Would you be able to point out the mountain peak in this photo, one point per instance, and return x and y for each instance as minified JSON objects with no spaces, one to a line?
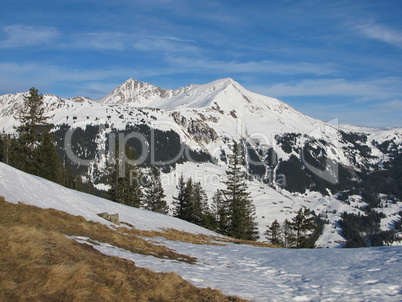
{"x":133,"y":92}
{"x":226,"y":93}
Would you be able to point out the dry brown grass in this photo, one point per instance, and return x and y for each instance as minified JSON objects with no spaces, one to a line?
{"x":253,"y":243}
{"x":172,"y":234}
{"x":39,"y":263}
{"x":58,"y":221}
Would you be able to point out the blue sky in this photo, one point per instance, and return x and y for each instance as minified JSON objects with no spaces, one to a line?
{"x":328,"y":59}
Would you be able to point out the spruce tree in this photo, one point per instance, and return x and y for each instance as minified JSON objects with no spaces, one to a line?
{"x":154,"y":196}
{"x":242,"y":223}
{"x":32,"y":124}
{"x":274,"y":233}
{"x":133,"y":192}
{"x":181,"y":200}
{"x":220,"y":210}
{"x":47,"y":163}
{"x":200,"y":207}
{"x":34,"y":151}
{"x":289,"y":238}
{"x":4,"y":147}
{"x":303,"y":225}
{"x":191,"y":204}
{"x":124,"y":179}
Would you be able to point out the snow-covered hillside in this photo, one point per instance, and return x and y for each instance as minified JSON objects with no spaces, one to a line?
{"x":258,"y":274}
{"x":17,"y":186}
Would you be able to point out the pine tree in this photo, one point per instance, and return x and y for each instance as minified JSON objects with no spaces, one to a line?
{"x":124,"y":179}
{"x":200,"y":207}
{"x":32,"y":125}
{"x":242,"y":223}
{"x":154,"y":194}
{"x":180,"y":201}
{"x":47,"y":163}
{"x":5,"y":145}
{"x":34,"y":151}
{"x":133,"y":193}
{"x":274,"y":233}
{"x":303,"y":225}
{"x":220,"y":209}
{"x":188,"y":208}
{"x":2,"y":147}
{"x":289,"y":240}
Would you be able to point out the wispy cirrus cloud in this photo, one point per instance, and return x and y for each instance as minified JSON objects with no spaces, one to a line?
{"x":382,"y":33}
{"x":94,"y":83}
{"x":263,"y":66}
{"x":364,"y":90}
{"x":23,"y":36}
{"x":394,"y":105}
{"x":120,"y":41}
{"x":19,"y":77}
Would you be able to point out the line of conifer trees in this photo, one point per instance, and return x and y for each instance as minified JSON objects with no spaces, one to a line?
{"x":300,"y":232}
{"x":32,"y":149}
{"x":232,"y":212}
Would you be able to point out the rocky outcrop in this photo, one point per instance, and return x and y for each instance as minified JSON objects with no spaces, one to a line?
{"x":113,"y":218}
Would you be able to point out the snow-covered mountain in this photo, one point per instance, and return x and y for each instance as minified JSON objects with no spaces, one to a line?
{"x":294,"y":160}
{"x":254,"y":273}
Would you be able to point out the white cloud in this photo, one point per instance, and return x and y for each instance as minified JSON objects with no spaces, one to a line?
{"x":264,"y":66}
{"x":120,"y":41}
{"x":382,"y":33}
{"x":48,"y":78}
{"x":378,"y":89}
{"x":164,"y":44}
{"x":19,"y":77}
{"x":393,"y":105}
{"x":23,"y":36}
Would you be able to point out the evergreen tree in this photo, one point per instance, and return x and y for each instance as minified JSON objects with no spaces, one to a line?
{"x":289,"y":239}
{"x":5,"y":145}
{"x":179,"y":200}
{"x":2,"y":147}
{"x":220,"y":210}
{"x":7,"y":149}
{"x":242,"y":223}
{"x":32,"y":125}
{"x":191,"y":204}
{"x":303,"y":225}
{"x":188,"y":206}
{"x":154,"y":194}
{"x":47,"y":163}
{"x":200,"y":207}
{"x":133,"y":192}
{"x":274,"y":233}
{"x":124,"y":179}
{"x":34,"y":151}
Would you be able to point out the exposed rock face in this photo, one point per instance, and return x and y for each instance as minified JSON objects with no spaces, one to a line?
{"x":113,"y":218}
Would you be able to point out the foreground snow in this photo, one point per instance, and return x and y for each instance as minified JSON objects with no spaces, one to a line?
{"x":259,"y":274}
{"x":264,"y":274}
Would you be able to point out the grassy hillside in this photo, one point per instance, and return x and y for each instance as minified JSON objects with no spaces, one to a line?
{"x":39,"y":263}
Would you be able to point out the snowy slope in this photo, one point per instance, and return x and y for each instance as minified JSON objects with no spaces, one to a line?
{"x":258,"y":274}
{"x":17,"y":186}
